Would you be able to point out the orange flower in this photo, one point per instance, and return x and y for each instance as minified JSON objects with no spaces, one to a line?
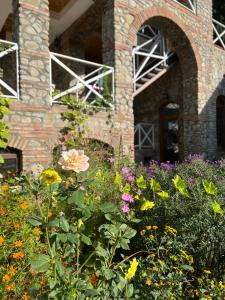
{"x":2,"y":211}
{"x":18,"y":255}
{"x":10,"y":287}
{"x":5,"y":188}
{"x":24,"y":205}
{"x":18,"y":243}
{"x":37,"y":231}
{"x":6,"y":278}
{"x":16,"y":226}
{"x":1,"y":240}
{"x":12,"y":271}
{"x":26,"y":297}
{"x":49,"y":214}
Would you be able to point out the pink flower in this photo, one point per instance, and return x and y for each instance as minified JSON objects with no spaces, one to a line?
{"x":130,"y":178}
{"x":127,"y":198}
{"x":125,"y":208}
{"x":125,"y":170}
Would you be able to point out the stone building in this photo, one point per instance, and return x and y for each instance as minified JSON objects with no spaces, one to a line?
{"x":164,"y":62}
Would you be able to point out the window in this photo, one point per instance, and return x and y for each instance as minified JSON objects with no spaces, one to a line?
{"x":12,"y":162}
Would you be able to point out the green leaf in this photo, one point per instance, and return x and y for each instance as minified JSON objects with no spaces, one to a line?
{"x":217,"y":208}
{"x":64,"y":225}
{"x":85,"y":239}
{"x":35,"y":220}
{"x":1,"y":159}
{"x":141,"y":183}
{"x":209,"y":187}
{"x":126,"y":189}
{"x":118,"y":179}
{"x":155,"y":186}
{"x":100,"y":251}
{"x":180,"y":185}
{"x":77,"y":198}
{"x":108,"y":207}
{"x":40,"y":263}
{"x":163,"y":195}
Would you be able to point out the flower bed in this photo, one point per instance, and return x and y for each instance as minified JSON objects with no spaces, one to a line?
{"x":106,"y":231}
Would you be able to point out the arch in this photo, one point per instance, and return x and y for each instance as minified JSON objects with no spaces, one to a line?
{"x":152,"y":13}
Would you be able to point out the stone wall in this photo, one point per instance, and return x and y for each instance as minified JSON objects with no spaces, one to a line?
{"x":35,"y":123}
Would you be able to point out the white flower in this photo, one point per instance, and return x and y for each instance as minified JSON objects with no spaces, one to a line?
{"x":74,"y":160}
{"x":36,"y":170}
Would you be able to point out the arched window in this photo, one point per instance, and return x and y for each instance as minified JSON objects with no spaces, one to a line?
{"x":12,"y":161}
{"x":220,"y":122}
{"x":169,"y":132}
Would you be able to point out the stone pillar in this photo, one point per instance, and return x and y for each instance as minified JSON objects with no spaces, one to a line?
{"x":31,"y":32}
{"x":116,"y":54}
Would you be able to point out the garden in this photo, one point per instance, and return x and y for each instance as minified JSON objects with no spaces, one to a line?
{"x":95,"y":226}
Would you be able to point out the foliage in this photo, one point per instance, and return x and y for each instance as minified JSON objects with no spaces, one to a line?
{"x":4,"y":130}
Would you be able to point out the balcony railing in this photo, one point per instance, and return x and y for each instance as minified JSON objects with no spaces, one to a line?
{"x":190,"y":4}
{"x":219,"y":33}
{"x":91,"y":82}
{"x":9,"y":70}
{"x":144,"y":136}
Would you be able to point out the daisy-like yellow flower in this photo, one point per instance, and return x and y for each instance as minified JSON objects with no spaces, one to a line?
{"x":147,"y":205}
{"x":142,"y":232}
{"x":10,"y":287}
{"x":171,"y":230}
{"x":18,"y":243}
{"x":12,"y":271}
{"x":6,"y":278}
{"x":151,"y":236}
{"x":37,"y":231}
{"x":18,"y":255}
{"x":16,"y":226}
{"x":25,"y":297}
{"x":132,"y":270}
{"x":2,"y":240}
{"x":50,"y":176}
{"x":148,"y":282}
{"x":155,"y":227}
{"x":148,"y":227}
{"x":24,"y":205}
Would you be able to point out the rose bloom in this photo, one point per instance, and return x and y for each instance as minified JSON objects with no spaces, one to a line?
{"x":74,"y":160}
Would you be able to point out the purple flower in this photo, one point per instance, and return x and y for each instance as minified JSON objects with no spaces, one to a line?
{"x":125,"y":170}
{"x":190,"y":180}
{"x":125,"y":208}
{"x":111,"y":159}
{"x":130,"y":178}
{"x":167,"y":166}
{"x":151,"y":172}
{"x":127,"y":198}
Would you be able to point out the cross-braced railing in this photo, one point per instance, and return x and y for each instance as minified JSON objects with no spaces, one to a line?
{"x":9,"y":70}
{"x":219,"y":33}
{"x":190,"y":4}
{"x":90,"y":82}
{"x":144,"y":136}
{"x":150,"y":56}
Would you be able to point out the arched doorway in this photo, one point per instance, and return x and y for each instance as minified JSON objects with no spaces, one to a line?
{"x":169,"y":132}
{"x":170,"y":75}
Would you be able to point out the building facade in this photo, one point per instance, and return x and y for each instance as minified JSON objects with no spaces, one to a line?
{"x":163,"y":60}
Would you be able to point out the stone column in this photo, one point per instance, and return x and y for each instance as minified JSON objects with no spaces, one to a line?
{"x":31,"y":32}
{"x":117,"y":54}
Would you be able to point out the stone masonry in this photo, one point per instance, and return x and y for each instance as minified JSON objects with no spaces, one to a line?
{"x":195,"y":82}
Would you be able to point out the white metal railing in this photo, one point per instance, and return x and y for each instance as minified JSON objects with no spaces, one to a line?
{"x":219,"y":33}
{"x":148,"y":56}
{"x":144,"y":136}
{"x":10,"y":85}
{"x":94,"y":87}
{"x":190,"y":4}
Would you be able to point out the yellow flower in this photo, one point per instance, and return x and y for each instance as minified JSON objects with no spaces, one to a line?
{"x":49,"y":214}
{"x":132,"y":270}
{"x":50,"y":176}
{"x":80,"y":223}
{"x":142,"y":233}
{"x":155,"y":227}
{"x":161,"y":262}
{"x":207,"y":272}
{"x":24,"y":205}
{"x":12,"y":271}
{"x":26,"y":297}
{"x":2,"y":240}
{"x":147,"y":205}
{"x":18,"y":243}
{"x":10,"y":287}
{"x":221,"y":285}
{"x":148,"y":282}
{"x":74,"y":160}
{"x":148,"y":227}
{"x":171,"y":230}
{"x":5,"y":188}
{"x":6,"y":278}
{"x":37,"y":231}
{"x":16,"y":226}
{"x":151,"y":236}
{"x":18,"y":255}
{"x":2,"y":211}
